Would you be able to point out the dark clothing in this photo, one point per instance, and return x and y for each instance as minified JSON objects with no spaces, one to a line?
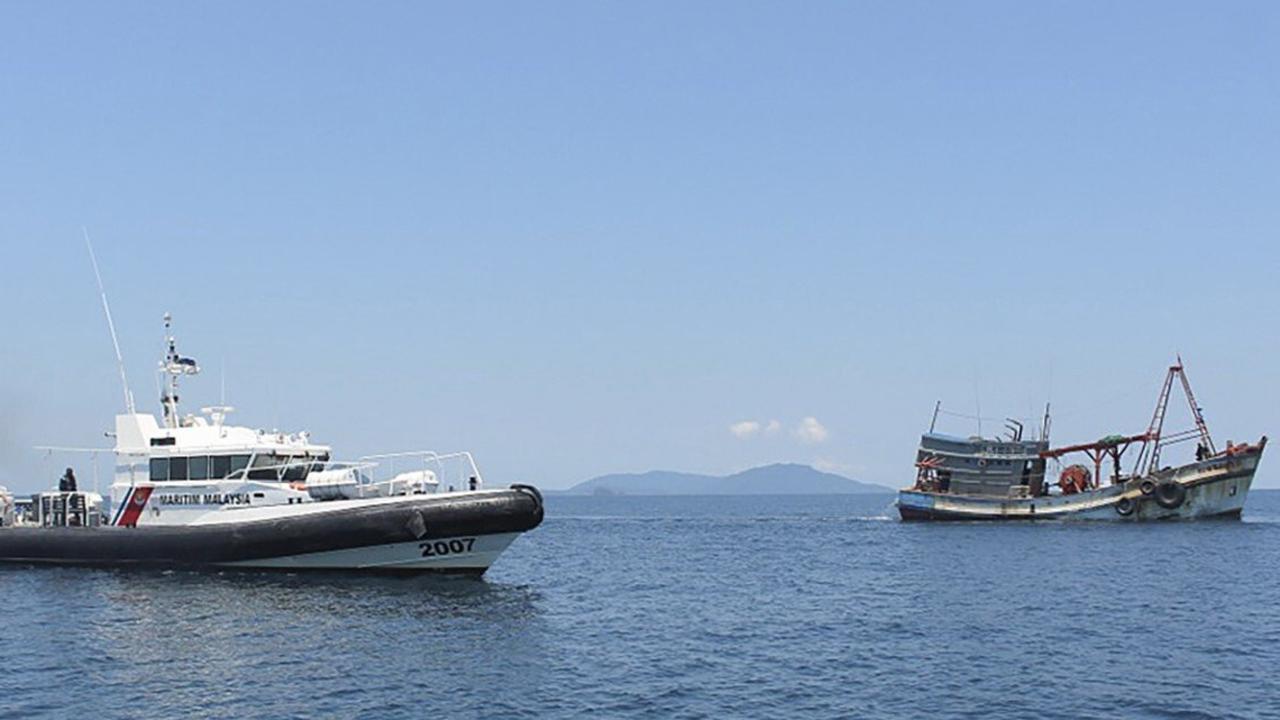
{"x":68,"y":482}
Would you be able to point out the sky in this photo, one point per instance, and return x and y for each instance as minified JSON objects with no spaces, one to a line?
{"x":585,"y":238}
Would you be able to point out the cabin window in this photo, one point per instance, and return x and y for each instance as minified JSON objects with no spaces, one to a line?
{"x":318,"y":465}
{"x":238,"y":463}
{"x":219,"y":466}
{"x":159,"y":469}
{"x":297,"y":469}
{"x":265,"y":467}
{"x":198,"y":468}
{"x":178,"y":468}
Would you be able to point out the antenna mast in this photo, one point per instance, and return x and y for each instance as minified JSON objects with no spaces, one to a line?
{"x":175,"y":366}
{"x":106,"y":308}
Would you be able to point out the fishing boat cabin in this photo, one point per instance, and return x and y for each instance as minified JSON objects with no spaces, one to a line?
{"x":999,"y":467}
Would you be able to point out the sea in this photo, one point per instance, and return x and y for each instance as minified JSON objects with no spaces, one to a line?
{"x":686,"y":607}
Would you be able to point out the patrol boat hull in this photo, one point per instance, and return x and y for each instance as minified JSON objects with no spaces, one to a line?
{"x":1215,"y":488}
{"x":452,"y":533}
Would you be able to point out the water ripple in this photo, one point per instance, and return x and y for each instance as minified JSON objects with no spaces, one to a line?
{"x":686,"y":608}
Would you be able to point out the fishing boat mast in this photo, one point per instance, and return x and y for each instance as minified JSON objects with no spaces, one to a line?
{"x":1152,"y":441}
{"x":1155,"y":439}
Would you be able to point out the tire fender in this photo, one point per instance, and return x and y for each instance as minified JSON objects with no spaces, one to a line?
{"x":1170,"y":495}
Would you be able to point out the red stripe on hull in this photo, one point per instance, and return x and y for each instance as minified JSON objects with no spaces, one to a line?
{"x":138,"y":501}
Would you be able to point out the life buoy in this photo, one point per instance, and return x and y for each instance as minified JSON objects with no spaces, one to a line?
{"x":1126,"y":506}
{"x":1170,"y":495}
{"x":1147,"y":487}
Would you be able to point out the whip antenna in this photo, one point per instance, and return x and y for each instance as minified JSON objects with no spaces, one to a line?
{"x":106,"y":308}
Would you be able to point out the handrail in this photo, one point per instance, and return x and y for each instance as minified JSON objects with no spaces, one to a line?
{"x":432,"y":455}
{"x":363,"y":463}
{"x":328,"y":465}
{"x":93,"y":454}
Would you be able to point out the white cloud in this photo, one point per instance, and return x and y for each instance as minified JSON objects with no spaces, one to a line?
{"x":810,"y":431}
{"x":744,"y":429}
{"x":772,"y":428}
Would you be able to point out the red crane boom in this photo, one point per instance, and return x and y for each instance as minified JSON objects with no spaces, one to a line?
{"x":1115,"y":445}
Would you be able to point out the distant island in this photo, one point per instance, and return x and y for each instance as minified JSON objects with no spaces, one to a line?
{"x":780,"y":479}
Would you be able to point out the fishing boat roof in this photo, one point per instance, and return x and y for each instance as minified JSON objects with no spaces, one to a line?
{"x":951,"y":438}
{"x":979,"y":440}
{"x":952,"y":444}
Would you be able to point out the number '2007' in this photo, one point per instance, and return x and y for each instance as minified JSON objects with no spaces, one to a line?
{"x":447,"y":547}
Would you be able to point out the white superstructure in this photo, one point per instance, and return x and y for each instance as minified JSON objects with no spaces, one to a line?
{"x":192,"y":468}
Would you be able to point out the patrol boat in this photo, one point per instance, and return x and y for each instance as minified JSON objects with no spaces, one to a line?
{"x":979,"y":478}
{"x":195,"y":491}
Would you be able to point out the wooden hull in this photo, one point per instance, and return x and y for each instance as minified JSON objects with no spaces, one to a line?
{"x":1215,"y":488}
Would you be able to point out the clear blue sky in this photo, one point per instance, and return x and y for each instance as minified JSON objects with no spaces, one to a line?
{"x":580,"y":238}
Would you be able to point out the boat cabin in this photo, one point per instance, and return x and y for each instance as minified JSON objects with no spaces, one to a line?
{"x":200,"y":464}
{"x":980,"y":466}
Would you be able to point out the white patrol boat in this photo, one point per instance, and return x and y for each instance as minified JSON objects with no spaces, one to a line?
{"x":194,"y":491}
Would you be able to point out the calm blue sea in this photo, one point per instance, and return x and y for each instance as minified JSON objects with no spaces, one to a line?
{"x":747,"y":607}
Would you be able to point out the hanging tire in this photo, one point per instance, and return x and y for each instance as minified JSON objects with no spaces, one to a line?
{"x":1126,"y":506}
{"x":1147,"y":487}
{"x":1170,"y":495}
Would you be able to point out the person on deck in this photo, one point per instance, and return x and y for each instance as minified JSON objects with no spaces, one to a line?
{"x":68,"y":481}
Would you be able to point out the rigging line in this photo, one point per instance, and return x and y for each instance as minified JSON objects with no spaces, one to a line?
{"x":975,"y":417}
{"x":977,"y":400}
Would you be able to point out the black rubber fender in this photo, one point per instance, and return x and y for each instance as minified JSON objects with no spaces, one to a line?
{"x":348,"y":525}
{"x":1126,"y":506}
{"x":1147,"y":487}
{"x":534,"y":492}
{"x":1170,"y":495}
